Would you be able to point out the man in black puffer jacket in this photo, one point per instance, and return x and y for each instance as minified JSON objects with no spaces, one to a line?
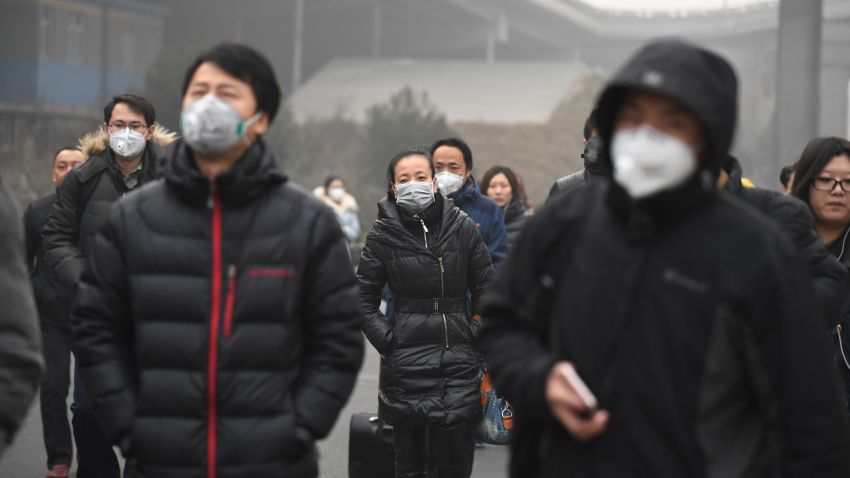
{"x":217,"y":326}
{"x":687,"y":314}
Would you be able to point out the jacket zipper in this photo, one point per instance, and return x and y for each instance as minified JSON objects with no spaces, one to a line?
{"x":424,"y":231}
{"x":443,"y":297}
{"x":214,"y":202}
{"x":231,"y":298}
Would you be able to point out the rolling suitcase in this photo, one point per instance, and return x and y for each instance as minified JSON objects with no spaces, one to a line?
{"x":370,"y":447}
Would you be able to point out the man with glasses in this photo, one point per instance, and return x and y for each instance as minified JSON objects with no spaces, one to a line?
{"x":123,"y":155}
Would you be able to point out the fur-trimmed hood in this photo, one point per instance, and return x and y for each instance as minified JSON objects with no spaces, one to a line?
{"x":97,"y":141}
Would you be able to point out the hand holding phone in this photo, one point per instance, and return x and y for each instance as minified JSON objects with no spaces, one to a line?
{"x":573,"y":404}
{"x":571,"y":376}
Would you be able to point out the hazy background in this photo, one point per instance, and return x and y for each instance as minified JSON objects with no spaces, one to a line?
{"x":515,"y":78}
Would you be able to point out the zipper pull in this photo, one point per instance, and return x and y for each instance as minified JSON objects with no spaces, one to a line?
{"x":231,"y":271}
{"x":440,"y":260}
{"x":424,"y":228}
{"x":211,"y":195}
{"x":436,"y":306}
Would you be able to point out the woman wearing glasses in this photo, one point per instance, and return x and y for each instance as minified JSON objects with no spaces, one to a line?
{"x":822,"y":180}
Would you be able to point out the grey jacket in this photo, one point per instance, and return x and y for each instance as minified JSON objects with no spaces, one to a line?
{"x":20,"y":346}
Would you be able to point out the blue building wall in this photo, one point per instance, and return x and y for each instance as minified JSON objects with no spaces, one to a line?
{"x":51,"y":83}
{"x":18,"y":81}
{"x":60,"y":84}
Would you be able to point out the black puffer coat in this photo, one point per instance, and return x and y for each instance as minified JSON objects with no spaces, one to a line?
{"x":515,"y":218}
{"x":217,"y":326}
{"x":84,"y":199}
{"x":429,"y":369}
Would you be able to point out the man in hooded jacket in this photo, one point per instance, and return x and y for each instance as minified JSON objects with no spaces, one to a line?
{"x":594,"y":164}
{"x":705,"y":358}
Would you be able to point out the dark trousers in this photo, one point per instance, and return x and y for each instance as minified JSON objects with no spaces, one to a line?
{"x":435,"y":451}
{"x":56,"y":339}
{"x":94,"y":452}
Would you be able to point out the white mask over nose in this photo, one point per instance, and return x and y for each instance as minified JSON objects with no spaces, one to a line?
{"x":648,"y":161}
{"x":127,"y":143}
{"x":449,"y":183}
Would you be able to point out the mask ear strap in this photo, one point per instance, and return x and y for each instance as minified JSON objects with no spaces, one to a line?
{"x":245,"y":124}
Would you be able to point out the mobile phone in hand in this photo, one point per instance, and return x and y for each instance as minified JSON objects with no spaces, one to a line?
{"x":580,"y":387}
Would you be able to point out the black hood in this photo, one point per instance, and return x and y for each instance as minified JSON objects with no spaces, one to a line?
{"x":702,"y":81}
{"x":595,"y":162}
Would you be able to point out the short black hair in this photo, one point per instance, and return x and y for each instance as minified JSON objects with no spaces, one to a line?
{"x":404,"y":153}
{"x":136,"y":103}
{"x":65,"y":148}
{"x":590,"y":125}
{"x":785,"y":175}
{"x":455,"y":143}
{"x":248,"y":65}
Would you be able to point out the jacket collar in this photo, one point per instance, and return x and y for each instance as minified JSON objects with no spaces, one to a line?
{"x":390,"y":222}
{"x":645,"y":218}
{"x":514,"y":209}
{"x":251,"y":176}
{"x":468,"y":193}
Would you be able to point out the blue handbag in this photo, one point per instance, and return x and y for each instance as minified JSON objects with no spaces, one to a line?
{"x":497,"y":421}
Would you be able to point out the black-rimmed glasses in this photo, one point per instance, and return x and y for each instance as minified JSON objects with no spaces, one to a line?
{"x":118,"y":126}
{"x":828,"y":184}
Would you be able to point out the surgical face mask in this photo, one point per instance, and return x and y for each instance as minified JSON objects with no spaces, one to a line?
{"x":212,"y":127}
{"x":414,"y":196}
{"x":449,"y":183}
{"x":127,"y":143}
{"x":336,"y":194}
{"x":647,"y":161}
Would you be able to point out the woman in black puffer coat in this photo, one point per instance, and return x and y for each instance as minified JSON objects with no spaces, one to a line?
{"x":432,"y":256}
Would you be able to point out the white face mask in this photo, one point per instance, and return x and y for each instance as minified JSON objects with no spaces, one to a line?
{"x":336,"y":194}
{"x":647,"y":161}
{"x":127,"y":143}
{"x":211,"y":126}
{"x":449,"y":183}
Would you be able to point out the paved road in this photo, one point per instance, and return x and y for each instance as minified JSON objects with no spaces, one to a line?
{"x":25,"y":459}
